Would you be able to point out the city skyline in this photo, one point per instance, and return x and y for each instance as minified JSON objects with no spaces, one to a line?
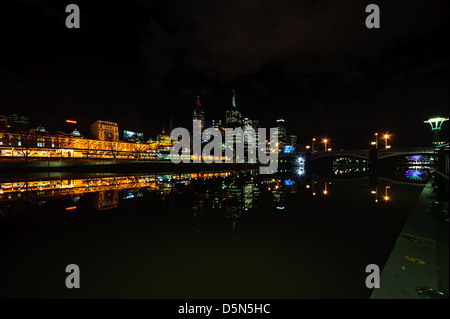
{"x":194,"y":153}
{"x":285,"y":60}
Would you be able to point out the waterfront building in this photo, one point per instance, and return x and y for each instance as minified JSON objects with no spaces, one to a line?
{"x":62,"y":145}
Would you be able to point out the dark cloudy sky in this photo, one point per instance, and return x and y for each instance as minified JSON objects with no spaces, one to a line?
{"x":313,"y":63}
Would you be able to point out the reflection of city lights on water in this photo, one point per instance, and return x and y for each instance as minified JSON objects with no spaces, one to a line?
{"x":414,"y":174}
{"x":416,"y":158}
{"x":288,"y":182}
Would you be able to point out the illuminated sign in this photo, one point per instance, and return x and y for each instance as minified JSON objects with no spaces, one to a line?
{"x":133,"y":136}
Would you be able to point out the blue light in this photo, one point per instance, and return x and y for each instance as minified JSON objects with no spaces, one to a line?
{"x":288,"y":182}
{"x":288,"y":149}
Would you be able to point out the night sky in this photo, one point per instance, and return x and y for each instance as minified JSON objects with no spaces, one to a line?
{"x":313,"y":63}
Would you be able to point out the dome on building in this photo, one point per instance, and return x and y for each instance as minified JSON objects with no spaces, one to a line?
{"x":163,"y":137}
{"x":76,"y":133}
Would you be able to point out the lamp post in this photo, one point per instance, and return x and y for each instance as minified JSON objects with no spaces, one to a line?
{"x":386,"y":137}
{"x":436,"y":124}
{"x":312,"y":144}
{"x":325,"y":141}
{"x":376,"y":140}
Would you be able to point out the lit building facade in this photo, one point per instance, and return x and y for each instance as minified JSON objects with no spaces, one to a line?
{"x":282,"y":140}
{"x":233,"y":118}
{"x":33,"y":144}
{"x":199,"y":113}
{"x":292,"y":139}
{"x":105,"y":131}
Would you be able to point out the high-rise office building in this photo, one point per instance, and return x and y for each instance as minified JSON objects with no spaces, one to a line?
{"x":292,"y":139}
{"x":282,"y":140}
{"x":233,"y":118}
{"x":18,"y":122}
{"x":199,"y":113}
{"x":216,"y":123}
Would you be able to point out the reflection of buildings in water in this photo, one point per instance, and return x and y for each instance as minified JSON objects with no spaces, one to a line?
{"x":348,"y":165}
{"x":218,"y":196}
{"x":248,"y":189}
{"x":105,"y":189}
{"x":198,"y":202}
{"x":105,"y":200}
{"x":233,"y":229}
{"x":279,"y":196}
{"x":280,"y":190}
{"x":38,"y":189}
{"x":233,"y":202}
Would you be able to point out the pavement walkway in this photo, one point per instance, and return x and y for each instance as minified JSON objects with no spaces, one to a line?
{"x":417,"y":267}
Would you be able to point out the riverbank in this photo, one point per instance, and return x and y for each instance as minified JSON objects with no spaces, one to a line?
{"x":99,"y":166}
{"x":418,"y":265}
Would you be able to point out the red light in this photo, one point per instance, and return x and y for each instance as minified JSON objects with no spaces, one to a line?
{"x":71,"y":208}
{"x":71,"y":121}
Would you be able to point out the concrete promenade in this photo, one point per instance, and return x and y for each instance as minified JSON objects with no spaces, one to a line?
{"x":419,"y":260}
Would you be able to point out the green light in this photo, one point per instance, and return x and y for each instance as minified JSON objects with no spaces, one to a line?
{"x":436,"y":124}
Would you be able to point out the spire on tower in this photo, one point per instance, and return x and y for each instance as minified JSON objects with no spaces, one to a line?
{"x":233,"y":98}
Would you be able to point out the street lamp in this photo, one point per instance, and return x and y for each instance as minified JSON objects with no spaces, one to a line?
{"x":376,"y":140}
{"x":436,"y":124}
{"x":312,"y":144}
{"x":325,"y":141}
{"x":386,"y":137}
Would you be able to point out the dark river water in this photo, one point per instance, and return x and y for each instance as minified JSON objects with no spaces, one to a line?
{"x":231,"y":234}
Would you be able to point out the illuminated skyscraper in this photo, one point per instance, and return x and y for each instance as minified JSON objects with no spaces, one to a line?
{"x":282,"y":140}
{"x":292,"y":139}
{"x":199,"y":113}
{"x":216,"y":123}
{"x":233,"y":118}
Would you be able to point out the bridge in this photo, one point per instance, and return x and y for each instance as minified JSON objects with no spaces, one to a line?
{"x":382,"y":153}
